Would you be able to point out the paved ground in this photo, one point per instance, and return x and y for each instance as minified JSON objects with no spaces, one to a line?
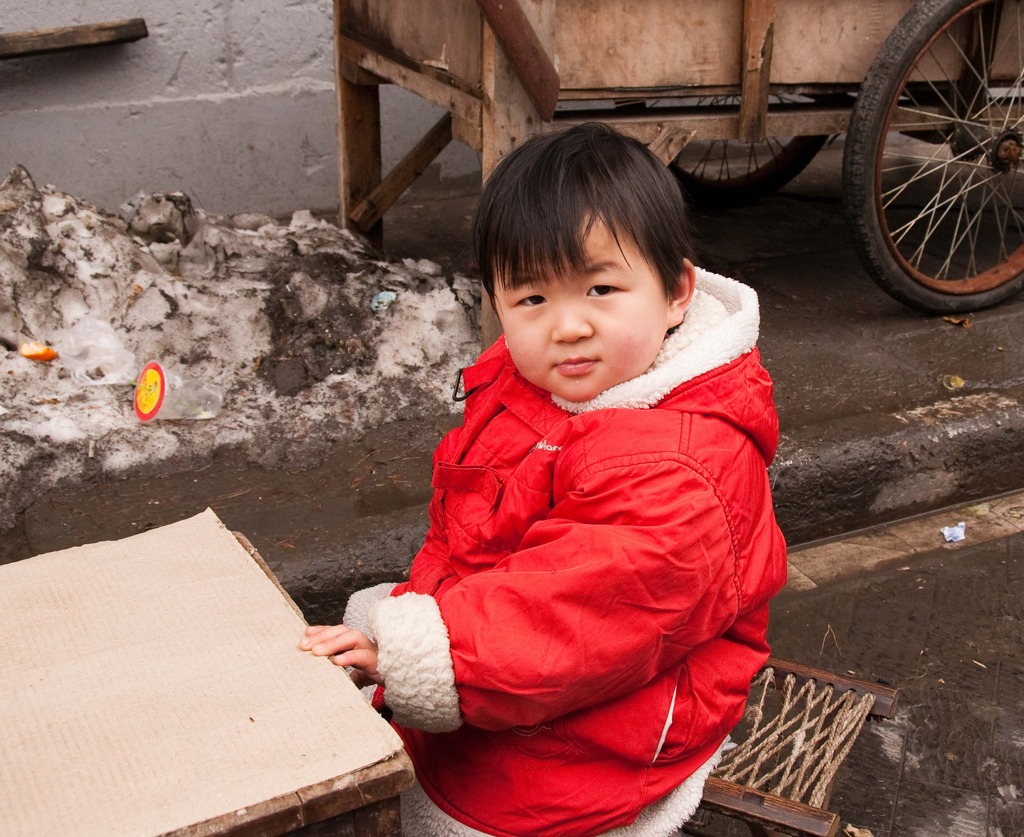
{"x":944,"y":623}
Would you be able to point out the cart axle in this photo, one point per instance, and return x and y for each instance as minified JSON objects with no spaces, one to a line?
{"x":1006,"y":153}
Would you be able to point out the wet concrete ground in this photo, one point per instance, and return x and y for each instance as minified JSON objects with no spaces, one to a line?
{"x":945,"y":625}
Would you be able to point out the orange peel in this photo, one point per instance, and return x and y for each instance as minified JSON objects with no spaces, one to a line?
{"x":38,"y":351}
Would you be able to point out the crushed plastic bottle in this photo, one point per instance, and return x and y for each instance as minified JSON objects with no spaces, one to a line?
{"x":161,"y":393}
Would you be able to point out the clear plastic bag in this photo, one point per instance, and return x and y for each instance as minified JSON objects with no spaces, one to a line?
{"x":93,"y":354}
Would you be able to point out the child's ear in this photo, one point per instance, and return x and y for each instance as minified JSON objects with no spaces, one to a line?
{"x":683,"y":293}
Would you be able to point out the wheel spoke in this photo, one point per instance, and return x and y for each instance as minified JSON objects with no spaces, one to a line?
{"x":955,"y":192}
{"x":932,"y":205}
{"x":968,"y":225}
{"x":968,"y":63}
{"x":717,"y":173}
{"x":929,"y":166}
{"x":971,"y":230}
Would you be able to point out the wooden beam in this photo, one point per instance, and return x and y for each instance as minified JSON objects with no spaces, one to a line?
{"x":709,"y":123}
{"x":525,"y":53}
{"x":776,"y":813}
{"x":372,"y":208}
{"x":886,"y":697}
{"x":758,"y":35}
{"x":44,"y":41}
{"x":427,"y":82}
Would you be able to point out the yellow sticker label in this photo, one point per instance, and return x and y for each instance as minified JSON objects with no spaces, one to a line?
{"x":149,"y":391}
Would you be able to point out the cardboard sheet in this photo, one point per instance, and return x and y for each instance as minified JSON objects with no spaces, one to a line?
{"x":155,"y":682}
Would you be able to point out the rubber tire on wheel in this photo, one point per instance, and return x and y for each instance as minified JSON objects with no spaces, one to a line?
{"x":718,"y":174}
{"x":937,"y":222}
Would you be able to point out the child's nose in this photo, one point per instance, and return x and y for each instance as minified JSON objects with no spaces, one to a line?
{"x":571,"y":324}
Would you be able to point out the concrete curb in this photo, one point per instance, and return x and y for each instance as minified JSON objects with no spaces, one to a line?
{"x":860,"y":471}
{"x":819,"y":563}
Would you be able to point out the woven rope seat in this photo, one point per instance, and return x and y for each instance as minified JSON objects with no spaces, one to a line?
{"x":799,"y":726}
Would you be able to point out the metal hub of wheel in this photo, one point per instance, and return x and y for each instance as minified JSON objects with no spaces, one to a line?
{"x":1006,"y":152}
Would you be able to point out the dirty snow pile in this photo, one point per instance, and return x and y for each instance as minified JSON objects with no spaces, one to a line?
{"x":306,"y":331}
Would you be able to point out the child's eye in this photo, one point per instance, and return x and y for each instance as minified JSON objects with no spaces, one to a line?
{"x":535,"y":299}
{"x":601,"y":290}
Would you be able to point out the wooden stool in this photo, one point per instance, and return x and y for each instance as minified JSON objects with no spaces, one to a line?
{"x":799,"y":726}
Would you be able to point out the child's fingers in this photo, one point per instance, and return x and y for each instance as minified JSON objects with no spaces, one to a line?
{"x":362,"y":679}
{"x":358,"y":658}
{"x":323,"y":635}
{"x":362,"y":663}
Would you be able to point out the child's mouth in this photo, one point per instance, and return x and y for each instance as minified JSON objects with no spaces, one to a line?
{"x":573,"y":367}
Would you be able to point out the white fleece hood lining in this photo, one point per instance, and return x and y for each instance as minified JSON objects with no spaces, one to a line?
{"x":721,"y":323}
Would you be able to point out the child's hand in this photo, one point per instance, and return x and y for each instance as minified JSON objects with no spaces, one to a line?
{"x":345,"y":647}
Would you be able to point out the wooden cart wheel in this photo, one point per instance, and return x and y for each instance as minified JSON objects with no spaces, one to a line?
{"x":717,"y":174}
{"x":932,"y":180}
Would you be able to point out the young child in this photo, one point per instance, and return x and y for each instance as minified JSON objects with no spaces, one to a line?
{"x":579,"y":631}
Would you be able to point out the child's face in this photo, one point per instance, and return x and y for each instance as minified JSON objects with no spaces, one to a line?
{"x":576,"y":336}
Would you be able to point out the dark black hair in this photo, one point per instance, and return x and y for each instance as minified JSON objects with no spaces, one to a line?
{"x":539,"y":203}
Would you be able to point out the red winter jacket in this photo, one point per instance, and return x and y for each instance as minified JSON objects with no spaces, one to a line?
{"x":580,"y":629}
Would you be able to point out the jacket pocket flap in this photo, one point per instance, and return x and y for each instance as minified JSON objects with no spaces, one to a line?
{"x":476,"y":478}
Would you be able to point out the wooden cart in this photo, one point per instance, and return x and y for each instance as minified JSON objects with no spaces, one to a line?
{"x":738,"y":96}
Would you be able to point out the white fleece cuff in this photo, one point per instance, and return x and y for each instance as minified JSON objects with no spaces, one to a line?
{"x":357,"y":610}
{"x":414,"y":659}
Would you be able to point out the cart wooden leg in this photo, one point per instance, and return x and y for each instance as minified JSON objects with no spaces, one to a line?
{"x":758,"y":35}
{"x":358,"y":152}
{"x":509,"y":115}
{"x":508,"y":118}
{"x":359,"y":159}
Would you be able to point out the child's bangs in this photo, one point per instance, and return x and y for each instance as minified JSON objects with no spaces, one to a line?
{"x":543,"y":198}
{"x":544,"y":240}
{"x":541,"y":247}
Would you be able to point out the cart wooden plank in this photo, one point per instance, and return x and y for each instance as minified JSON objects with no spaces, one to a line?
{"x":607,"y":48}
{"x":443,"y":34}
{"x":710,"y":124}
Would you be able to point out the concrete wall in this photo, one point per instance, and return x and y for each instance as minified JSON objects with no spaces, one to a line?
{"x":229,"y":101}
